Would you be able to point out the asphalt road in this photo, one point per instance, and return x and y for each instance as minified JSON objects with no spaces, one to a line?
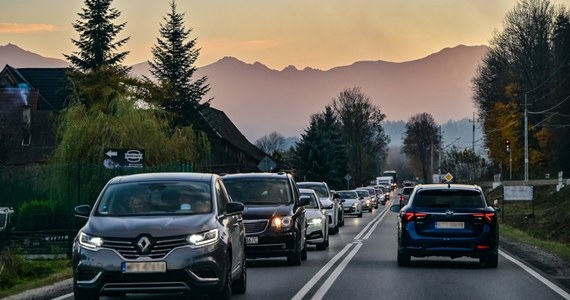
{"x":361,"y":264}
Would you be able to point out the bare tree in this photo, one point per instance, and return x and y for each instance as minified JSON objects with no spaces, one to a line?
{"x":420,"y":141}
{"x":271,"y":144}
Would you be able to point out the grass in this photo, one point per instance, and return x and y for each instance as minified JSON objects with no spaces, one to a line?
{"x":60,"y":273}
{"x":559,"y":249}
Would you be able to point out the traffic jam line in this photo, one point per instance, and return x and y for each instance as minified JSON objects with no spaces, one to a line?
{"x":357,"y":243}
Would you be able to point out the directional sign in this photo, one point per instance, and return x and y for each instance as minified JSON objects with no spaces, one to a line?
{"x":123,"y":158}
{"x":266,"y":164}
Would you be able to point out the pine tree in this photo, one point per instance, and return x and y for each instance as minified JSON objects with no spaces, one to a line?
{"x":96,"y":34}
{"x":173,"y":67}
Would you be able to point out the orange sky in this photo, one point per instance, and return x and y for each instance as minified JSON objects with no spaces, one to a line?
{"x":319,"y":34}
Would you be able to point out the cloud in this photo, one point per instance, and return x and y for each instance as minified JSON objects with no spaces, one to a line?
{"x":25,"y":28}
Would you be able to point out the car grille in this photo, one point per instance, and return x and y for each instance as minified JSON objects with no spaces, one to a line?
{"x":160,"y":246}
{"x":255,"y":226}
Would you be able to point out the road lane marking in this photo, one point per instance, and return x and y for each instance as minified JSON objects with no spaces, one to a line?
{"x":534,"y":274}
{"x":309,"y":285}
{"x":330,"y":280}
{"x":328,"y":283}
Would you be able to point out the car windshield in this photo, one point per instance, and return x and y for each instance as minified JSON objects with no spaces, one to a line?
{"x":320,"y":189}
{"x":168,"y":197}
{"x":347,"y":195}
{"x":362,"y":193}
{"x":449,"y":199}
{"x":259,"y":191}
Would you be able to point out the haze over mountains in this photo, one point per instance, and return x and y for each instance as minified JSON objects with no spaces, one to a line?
{"x":260,"y":100}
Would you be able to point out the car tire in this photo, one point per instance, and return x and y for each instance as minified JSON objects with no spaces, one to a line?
{"x":239,"y":286}
{"x":322,"y":246}
{"x":334,"y":230}
{"x":294,"y":259}
{"x":79,"y":294}
{"x":226,"y":292}
{"x":404,"y":260}
{"x":490,"y":260}
{"x":304,"y":252}
{"x":359,"y":215}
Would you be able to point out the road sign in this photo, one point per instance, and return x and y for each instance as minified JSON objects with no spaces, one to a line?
{"x":266,"y":164}
{"x":448,"y":177}
{"x":123,"y":158}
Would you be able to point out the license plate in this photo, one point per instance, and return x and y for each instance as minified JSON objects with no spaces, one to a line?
{"x":449,"y":225}
{"x":144,"y":267}
{"x":251,"y":240}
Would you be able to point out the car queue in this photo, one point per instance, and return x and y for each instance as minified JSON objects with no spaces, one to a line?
{"x":191,"y":233}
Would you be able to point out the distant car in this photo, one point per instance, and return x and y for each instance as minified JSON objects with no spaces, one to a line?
{"x":374,"y":195}
{"x":352,"y":204}
{"x":365,"y":199}
{"x":450,"y":220}
{"x":163,"y":246}
{"x":317,"y":221}
{"x":333,"y":207}
{"x":274,"y":215}
{"x":405,"y":195}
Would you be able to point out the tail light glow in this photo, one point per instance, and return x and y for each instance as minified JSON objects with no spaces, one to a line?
{"x":410,"y":216}
{"x":489,"y":217}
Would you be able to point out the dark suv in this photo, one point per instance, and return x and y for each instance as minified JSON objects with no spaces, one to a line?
{"x":274,"y":216}
{"x":450,"y":220}
{"x":160,"y":233}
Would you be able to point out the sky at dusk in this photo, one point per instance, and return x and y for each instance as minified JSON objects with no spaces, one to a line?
{"x":278,"y":33}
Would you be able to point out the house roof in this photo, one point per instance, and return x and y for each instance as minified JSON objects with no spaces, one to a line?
{"x":224,"y":128}
{"x":51,"y":82}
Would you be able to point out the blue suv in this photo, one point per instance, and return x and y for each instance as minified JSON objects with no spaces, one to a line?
{"x":450,"y":220}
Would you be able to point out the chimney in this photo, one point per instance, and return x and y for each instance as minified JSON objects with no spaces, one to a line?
{"x":26,"y":125}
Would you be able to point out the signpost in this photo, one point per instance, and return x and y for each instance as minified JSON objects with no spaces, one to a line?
{"x":266,"y":164}
{"x":123,"y":158}
{"x":347,"y":177}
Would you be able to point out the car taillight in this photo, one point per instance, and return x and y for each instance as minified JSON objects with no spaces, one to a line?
{"x":402,"y":198}
{"x":489,"y":217}
{"x":410,"y":216}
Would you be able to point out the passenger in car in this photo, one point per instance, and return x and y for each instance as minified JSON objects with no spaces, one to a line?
{"x":139,"y":202}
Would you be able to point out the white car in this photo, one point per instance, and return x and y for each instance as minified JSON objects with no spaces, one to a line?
{"x":365,"y":198}
{"x":352,"y":204}
{"x":317,"y":221}
{"x":332,"y":206}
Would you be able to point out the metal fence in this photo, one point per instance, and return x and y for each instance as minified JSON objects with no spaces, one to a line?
{"x":43,"y":198}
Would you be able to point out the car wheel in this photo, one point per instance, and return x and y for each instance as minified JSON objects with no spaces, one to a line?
{"x":80,"y":294}
{"x":294,"y":259}
{"x":304,"y":252}
{"x":490,"y":260}
{"x":334,"y":230}
{"x":404,"y":260}
{"x":322,"y":246}
{"x":226,"y":292}
{"x":239,"y":286}
{"x":359,"y":215}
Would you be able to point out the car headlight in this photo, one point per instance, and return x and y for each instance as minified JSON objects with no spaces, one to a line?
{"x":355,"y":205}
{"x":89,"y":241}
{"x":279,"y":222}
{"x":315,"y":221}
{"x":203,"y":238}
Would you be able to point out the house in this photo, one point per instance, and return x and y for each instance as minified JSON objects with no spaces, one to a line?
{"x":31,"y":97}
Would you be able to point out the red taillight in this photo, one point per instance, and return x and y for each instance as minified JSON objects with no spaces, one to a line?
{"x":482,"y":247}
{"x":489,"y":217}
{"x":409,"y":216}
{"x":402,"y":198}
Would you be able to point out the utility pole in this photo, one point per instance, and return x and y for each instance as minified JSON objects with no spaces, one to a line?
{"x":526,"y":141}
{"x":473,"y":144}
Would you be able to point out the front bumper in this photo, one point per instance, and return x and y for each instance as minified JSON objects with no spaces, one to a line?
{"x":194,"y":270}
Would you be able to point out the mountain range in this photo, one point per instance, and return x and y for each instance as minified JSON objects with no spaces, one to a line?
{"x":260,"y":100}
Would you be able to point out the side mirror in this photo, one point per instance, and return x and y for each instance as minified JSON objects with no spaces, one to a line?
{"x":235,"y":207}
{"x":82,"y":211}
{"x":335,"y":196}
{"x":304,"y":200}
{"x":395,"y":208}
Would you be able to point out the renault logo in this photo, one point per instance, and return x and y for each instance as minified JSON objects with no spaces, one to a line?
{"x":143,"y":245}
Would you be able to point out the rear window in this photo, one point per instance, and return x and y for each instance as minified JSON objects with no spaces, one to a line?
{"x":319,"y":188}
{"x":448,"y":198}
{"x":407,"y":191}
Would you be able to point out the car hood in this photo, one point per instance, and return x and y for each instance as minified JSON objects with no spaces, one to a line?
{"x":326,"y":202}
{"x":156,"y":226}
{"x":348,"y":202}
{"x":313,"y":213}
{"x":266,"y":211}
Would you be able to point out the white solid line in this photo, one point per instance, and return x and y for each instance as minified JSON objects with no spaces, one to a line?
{"x":309,"y":285}
{"x":380,"y":218}
{"x":63,"y":296}
{"x":328,"y":283}
{"x":541,"y":278}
